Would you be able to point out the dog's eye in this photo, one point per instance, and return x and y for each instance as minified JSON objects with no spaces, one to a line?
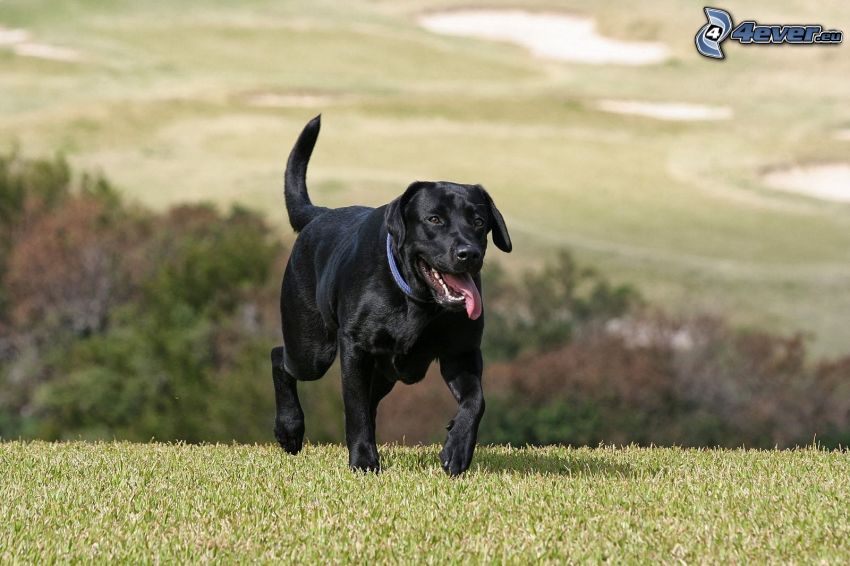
{"x":435,"y":220}
{"x":478,"y":222}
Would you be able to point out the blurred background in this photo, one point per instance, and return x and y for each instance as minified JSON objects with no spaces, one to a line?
{"x":681,"y":226}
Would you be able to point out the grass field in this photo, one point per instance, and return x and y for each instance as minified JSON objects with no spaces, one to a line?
{"x":176,"y":503}
{"x":179,"y":104}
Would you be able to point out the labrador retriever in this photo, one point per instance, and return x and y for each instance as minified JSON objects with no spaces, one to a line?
{"x":390,"y":289}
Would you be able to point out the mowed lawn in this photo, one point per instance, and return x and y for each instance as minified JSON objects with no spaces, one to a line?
{"x":176,"y":503}
{"x":180,"y":104}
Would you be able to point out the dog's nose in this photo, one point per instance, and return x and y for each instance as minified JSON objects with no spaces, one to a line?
{"x":468,"y":253}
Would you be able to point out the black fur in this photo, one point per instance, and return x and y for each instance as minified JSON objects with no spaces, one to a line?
{"x":339,"y":296}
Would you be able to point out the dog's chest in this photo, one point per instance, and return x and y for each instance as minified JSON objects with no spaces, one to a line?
{"x":407,"y":368}
{"x":386,"y":330}
{"x":404,"y":352}
{"x":401,"y":343}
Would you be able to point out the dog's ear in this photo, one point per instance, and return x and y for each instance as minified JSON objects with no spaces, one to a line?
{"x":394,"y":215}
{"x":500,"y":232}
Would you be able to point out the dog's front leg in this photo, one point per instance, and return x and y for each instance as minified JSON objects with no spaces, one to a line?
{"x":356,"y":395}
{"x":462,"y":374}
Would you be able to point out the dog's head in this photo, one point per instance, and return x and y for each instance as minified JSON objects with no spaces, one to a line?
{"x":440,"y":233}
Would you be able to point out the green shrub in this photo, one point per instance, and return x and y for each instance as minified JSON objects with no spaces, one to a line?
{"x":544,"y":308}
{"x":121,"y":323}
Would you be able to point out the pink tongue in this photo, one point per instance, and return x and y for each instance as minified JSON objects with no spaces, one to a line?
{"x":466,"y":286}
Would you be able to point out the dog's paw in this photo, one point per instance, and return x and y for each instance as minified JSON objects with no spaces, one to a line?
{"x":364,"y":459}
{"x":290,"y":438}
{"x":456,"y":455}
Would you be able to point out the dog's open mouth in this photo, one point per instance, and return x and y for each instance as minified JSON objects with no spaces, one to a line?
{"x":454,"y":290}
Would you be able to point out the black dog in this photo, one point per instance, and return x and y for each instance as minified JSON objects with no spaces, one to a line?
{"x":392,"y":289}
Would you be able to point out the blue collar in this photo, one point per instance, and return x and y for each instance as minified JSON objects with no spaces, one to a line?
{"x":399,"y":280}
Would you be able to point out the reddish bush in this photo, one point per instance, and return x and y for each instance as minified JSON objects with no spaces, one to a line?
{"x":831,"y":396}
{"x":651,"y":379}
{"x":69,"y":267}
{"x":416,"y":413}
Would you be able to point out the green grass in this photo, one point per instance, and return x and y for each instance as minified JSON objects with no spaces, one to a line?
{"x":161,"y":103}
{"x":175,"y":503}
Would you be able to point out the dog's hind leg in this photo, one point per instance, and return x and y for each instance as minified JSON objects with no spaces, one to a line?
{"x":289,"y":420}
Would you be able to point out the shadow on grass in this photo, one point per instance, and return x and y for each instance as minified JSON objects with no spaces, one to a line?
{"x":522,"y":462}
{"x":530,"y":462}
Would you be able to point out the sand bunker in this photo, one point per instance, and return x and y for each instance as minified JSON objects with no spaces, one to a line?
{"x":646,"y":334}
{"x":828,"y":181}
{"x":675,"y":111}
{"x":45,"y":51}
{"x":553,"y":36}
{"x":19,"y":41}
{"x":12,"y":36}
{"x":286,"y":100}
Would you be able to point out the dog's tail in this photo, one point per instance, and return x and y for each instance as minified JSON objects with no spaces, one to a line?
{"x":301,"y":210}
